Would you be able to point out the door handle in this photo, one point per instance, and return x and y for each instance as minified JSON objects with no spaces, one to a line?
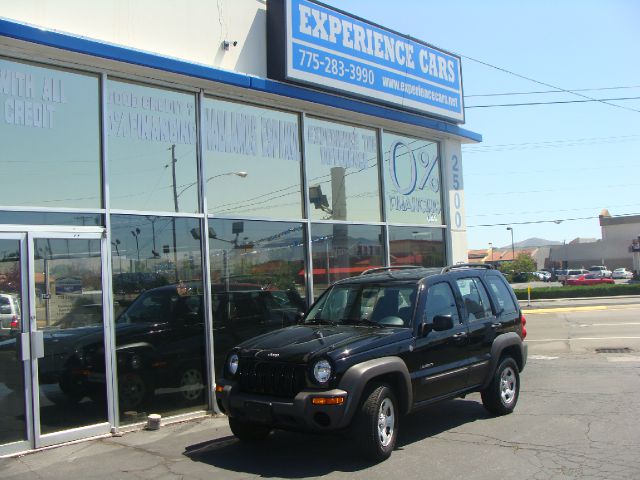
{"x":496,"y":325}
{"x":37,"y":343}
{"x":460,"y":335}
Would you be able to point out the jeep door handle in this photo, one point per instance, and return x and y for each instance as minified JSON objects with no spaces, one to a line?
{"x":496,"y":325}
{"x":459,"y":335}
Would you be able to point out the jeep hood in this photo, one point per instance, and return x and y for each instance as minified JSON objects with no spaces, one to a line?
{"x":301,"y":342}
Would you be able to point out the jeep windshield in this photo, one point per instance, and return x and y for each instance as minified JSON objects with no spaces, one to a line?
{"x":378,"y":305}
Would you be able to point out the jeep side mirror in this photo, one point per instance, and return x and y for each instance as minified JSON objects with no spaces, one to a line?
{"x":425,"y":328}
{"x":442,"y":322}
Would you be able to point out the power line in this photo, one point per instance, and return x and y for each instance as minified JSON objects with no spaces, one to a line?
{"x":601,"y":100}
{"x":504,"y":70}
{"x":549,"y":91}
{"x":557,"y":220}
{"x":549,"y":143}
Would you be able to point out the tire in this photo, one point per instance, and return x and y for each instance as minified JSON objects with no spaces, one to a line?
{"x":133,"y":391}
{"x":501,"y":396}
{"x":248,"y":431}
{"x":376,"y":425}
{"x":191,"y":384}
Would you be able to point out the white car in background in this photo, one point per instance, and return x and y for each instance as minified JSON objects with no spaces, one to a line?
{"x":622,"y":273}
{"x":9,"y":315}
{"x":600,"y":271}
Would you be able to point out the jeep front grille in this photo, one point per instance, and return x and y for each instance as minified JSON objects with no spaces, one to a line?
{"x":271,"y":378}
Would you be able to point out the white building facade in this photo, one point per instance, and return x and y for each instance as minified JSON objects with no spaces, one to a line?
{"x":181,"y":176}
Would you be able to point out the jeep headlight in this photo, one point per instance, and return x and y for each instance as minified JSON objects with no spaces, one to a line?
{"x":232,"y":364}
{"x":322,"y":371}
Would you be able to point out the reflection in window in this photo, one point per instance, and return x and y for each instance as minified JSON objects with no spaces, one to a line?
{"x":257,"y":276}
{"x":341,"y":251}
{"x":411,"y":173}
{"x":159,"y":305}
{"x":342,"y":168}
{"x":50,"y":130}
{"x":252,"y":158}
{"x":152,"y":148}
{"x":52,"y":218}
{"x":417,"y":246}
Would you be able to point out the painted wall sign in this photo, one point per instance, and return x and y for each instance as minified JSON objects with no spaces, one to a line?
{"x":412,"y":180}
{"x":332,"y":49}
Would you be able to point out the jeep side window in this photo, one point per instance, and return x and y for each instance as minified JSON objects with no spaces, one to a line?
{"x":440,"y":301}
{"x":502,"y":294}
{"x":475,"y":298}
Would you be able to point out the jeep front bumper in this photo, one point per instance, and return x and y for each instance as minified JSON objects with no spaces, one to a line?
{"x":298,"y":413}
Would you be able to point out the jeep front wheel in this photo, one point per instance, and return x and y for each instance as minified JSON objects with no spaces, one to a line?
{"x":377,"y":423}
{"x":248,"y":431}
{"x":501,"y":396}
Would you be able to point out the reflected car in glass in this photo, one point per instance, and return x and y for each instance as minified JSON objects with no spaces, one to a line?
{"x":9,"y":315}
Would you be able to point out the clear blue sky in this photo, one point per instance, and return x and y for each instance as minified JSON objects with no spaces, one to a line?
{"x":543,"y":162}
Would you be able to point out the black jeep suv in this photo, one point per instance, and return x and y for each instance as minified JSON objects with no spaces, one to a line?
{"x":378,"y":346}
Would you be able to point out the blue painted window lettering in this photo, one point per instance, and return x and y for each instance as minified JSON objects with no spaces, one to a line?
{"x":339,"y":51}
{"x":412,"y":180}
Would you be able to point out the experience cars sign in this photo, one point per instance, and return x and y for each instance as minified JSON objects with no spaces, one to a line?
{"x":312,"y":43}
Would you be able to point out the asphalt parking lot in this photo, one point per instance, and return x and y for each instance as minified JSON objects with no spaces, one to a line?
{"x":576,"y":418}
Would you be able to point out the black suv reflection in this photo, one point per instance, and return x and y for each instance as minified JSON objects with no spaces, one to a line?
{"x":160,"y":342}
{"x":375,"y":347}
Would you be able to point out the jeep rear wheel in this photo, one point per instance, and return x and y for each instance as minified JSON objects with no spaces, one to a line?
{"x":377,"y":423}
{"x":248,"y":431}
{"x":501,"y":396}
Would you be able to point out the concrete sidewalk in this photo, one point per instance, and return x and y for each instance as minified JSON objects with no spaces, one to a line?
{"x":165,"y":453}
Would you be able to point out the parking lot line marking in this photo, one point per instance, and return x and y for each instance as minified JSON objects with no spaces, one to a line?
{"x":608,"y":324}
{"x":582,"y":338}
{"x":565,"y":309}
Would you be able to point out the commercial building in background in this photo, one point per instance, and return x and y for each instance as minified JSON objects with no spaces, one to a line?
{"x":176,"y":180}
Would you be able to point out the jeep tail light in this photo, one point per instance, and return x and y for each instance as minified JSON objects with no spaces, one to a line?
{"x":524,"y":326}
{"x":14,"y":322}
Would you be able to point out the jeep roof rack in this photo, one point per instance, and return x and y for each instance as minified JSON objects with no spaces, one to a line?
{"x":448,"y":268}
{"x":387,"y":269}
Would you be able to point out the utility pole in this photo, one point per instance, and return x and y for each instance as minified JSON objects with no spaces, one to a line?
{"x":175,"y":204}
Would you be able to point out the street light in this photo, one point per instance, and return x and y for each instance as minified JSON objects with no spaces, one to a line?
{"x":513,"y":250}
{"x":239,"y":174}
{"x":135,"y":234}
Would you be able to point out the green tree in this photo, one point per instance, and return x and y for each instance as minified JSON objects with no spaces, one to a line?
{"x":520,"y":269}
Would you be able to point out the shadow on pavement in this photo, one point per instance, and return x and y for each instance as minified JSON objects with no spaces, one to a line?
{"x":298,"y":455}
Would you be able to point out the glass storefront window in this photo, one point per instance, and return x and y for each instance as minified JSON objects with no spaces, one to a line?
{"x":412,"y":183}
{"x":342,"y":171}
{"x":159,"y":305}
{"x":52,"y":218}
{"x":417,"y":246}
{"x":252,"y":158}
{"x":50,"y":130}
{"x":257,"y":277}
{"x":151,"y":148}
{"x":341,"y":251}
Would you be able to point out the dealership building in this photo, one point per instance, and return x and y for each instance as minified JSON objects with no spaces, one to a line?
{"x":176,"y":181}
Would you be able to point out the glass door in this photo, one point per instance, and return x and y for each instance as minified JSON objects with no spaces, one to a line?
{"x":53,"y":355}
{"x":67,"y":333}
{"x":16,"y":433}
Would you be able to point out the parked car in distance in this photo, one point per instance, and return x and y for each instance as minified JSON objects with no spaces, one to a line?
{"x":542,"y":275}
{"x":588,"y":279}
{"x":600,"y":270}
{"x":9,"y":314}
{"x":571,"y":273}
{"x":622,"y":273}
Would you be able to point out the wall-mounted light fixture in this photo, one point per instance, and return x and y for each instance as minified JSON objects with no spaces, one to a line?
{"x":226,"y":44}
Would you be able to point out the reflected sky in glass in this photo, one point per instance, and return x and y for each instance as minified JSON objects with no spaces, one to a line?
{"x":411,"y":173}
{"x":148,"y":129}
{"x":252,"y":161}
{"x":342,"y":165}
{"x":50,"y":130}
